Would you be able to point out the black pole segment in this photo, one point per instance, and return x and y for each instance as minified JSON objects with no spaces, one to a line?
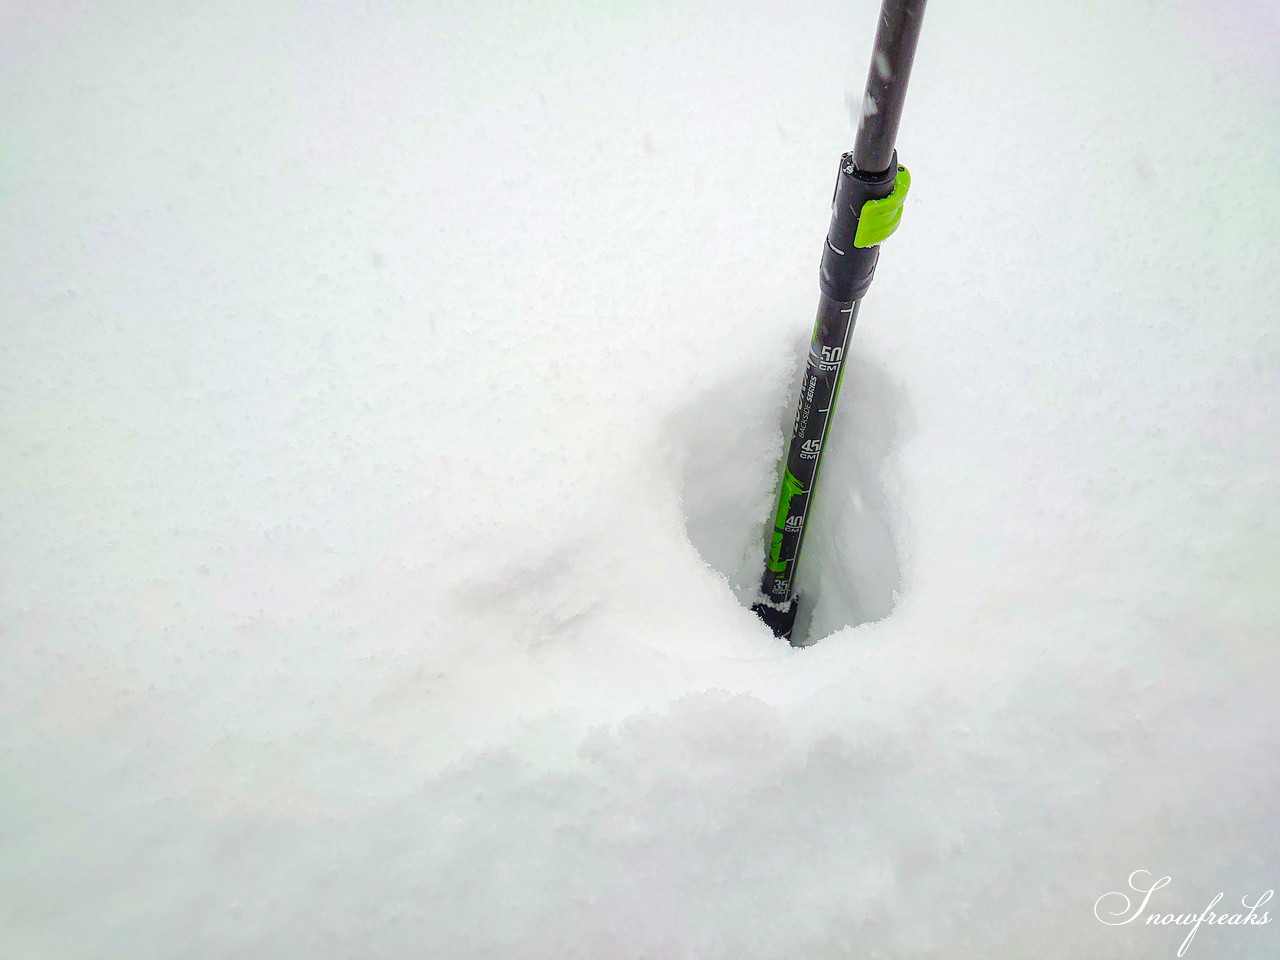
{"x":843,"y":280}
{"x":869,"y":172}
{"x":887,"y":79}
{"x":818,"y":392}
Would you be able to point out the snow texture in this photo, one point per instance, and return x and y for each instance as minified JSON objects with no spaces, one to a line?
{"x":392,"y":398}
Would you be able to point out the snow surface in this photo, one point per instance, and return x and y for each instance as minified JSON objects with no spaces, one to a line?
{"x":392,"y":395}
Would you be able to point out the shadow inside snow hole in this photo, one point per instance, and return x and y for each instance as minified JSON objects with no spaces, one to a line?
{"x":849,"y":572}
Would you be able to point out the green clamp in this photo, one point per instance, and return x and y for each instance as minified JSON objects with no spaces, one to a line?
{"x":880,"y":218}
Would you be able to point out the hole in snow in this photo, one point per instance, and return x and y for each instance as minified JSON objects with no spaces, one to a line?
{"x":733,"y":435}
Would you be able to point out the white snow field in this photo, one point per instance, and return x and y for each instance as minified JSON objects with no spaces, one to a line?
{"x":392,"y":397}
